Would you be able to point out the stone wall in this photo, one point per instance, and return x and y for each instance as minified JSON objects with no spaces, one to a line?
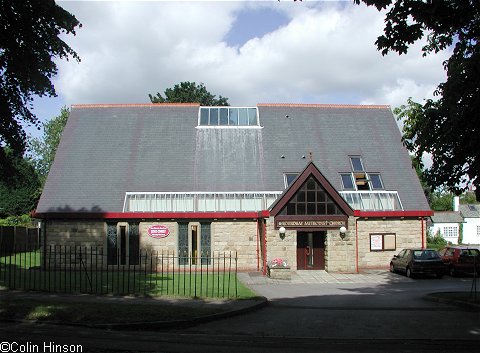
{"x":340,"y":253}
{"x":408,"y":235}
{"x":71,"y":233}
{"x":165,"y":246}
{"x":285,"y":248}
{"x":237,"y":237}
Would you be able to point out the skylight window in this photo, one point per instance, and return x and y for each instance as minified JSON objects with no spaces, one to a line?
{"x":357,"y":165}
{"x":228,"y":116}
{"x":289,"y":178}
{"x":358,"y":179}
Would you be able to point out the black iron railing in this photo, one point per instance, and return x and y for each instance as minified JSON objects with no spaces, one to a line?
{"x":80,"y":269}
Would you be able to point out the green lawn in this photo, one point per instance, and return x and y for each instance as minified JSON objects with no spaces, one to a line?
{"x":23,"y":271}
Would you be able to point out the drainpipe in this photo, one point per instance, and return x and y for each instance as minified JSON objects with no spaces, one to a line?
{"x":356,"y":245}
{"x":258,"y":246}
{"x":423,"y":235}
{"x":264,"y":248}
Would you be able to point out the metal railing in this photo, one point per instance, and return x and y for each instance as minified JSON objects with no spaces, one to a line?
{"x":79,"y":269}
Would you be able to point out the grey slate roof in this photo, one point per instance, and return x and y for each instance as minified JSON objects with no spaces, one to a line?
{"x":447,"y":217}
{"x":108,"y":150}
{"x":470,"y":211}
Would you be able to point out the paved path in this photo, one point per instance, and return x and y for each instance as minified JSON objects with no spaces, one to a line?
{"x":318,"y":277}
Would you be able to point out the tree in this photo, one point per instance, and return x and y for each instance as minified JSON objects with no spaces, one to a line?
{"x":29,"y":41}
{"x":19,"y":192}
{"x":447,"y":128}
{"x":189,"y":92}
{"x":43,"y":149}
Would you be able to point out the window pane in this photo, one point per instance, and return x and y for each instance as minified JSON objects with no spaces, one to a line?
{"x":311,"y":196}
{"x":347,"y":182}
{"x":289,"y":178}
{"x":357,"y":164}
{"x":291,"y":209}
{"x":311,"y":209}
{"x":204,"y":116}
{"x":300,"y":208}
{"x":213,"y":116}
{"x":301,"y":196}
{"x":376,"y":181}
{"x":252,"y":116}
{"x":233,"y":118}
{"x":311,"y":184}
{"x":322,"y":208}
{"x":242,"y":117}
{"x":223,"y":116}
{"x":331,"y":209}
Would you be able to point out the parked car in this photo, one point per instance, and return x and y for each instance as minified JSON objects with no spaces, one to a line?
{"x":461,"y":259}
{"x":418,"y":261}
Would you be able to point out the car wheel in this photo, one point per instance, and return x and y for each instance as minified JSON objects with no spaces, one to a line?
{"x":439,"y":275}
{"x":452,"y":272}
{"x":392,"y":268}
{"x":409,"y":273}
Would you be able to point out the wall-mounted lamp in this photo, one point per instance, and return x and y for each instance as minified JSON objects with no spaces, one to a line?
{"x":343,"y":232}
{"x":281,"y":232}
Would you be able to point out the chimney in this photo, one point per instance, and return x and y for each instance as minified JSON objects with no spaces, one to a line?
{"x":456,"y":202}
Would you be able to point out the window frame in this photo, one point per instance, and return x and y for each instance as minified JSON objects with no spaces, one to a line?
{"x":377,"y":239}
{"x":369,"y":177}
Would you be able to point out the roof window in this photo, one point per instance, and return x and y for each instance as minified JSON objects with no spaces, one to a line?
{"x":228,"y":116}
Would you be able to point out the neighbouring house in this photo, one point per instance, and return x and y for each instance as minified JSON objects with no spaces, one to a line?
{"x":319,"y":186}
{"x":448,"y":224}
{"x":471,"y":225}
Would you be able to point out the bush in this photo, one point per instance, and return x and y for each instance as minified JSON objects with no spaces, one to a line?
{"x":24,"y":220}
{"x":436,"y":241}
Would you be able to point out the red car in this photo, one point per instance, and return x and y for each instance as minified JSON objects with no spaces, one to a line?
{"x":461,"y":259}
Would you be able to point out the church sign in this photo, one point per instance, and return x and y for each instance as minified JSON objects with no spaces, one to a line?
{"x":311,"y":223}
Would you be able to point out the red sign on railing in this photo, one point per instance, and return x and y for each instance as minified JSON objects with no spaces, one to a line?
{"x":158,"y":231}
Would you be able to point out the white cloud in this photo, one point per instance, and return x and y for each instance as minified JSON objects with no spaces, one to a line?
{"x":325,"y":54}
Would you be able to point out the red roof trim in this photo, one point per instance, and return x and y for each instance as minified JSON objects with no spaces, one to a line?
{"x":80,"y":106}
{"x":352,"y":106}
{"x":392,"y":214}
{"x":154,"y":215}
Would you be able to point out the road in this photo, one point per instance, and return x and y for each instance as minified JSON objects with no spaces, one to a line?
{"x":368,"y":317}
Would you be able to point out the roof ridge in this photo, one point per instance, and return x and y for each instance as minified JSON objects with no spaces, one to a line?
{"x":123,"y":105}
{"x":314,"y":105}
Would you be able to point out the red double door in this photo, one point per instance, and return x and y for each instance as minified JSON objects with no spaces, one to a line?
{"x":311,"y":250}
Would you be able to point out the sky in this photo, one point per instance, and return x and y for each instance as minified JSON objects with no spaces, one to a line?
{"x":248,"y":51}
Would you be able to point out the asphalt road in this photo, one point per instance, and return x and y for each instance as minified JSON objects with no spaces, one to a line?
{"x":391,"y":317}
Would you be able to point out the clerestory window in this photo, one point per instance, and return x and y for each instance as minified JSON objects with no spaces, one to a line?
{"x":228,"y":116}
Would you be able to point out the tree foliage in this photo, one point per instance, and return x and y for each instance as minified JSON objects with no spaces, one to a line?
{"x":189,"y":92}
{"x":29,"y":42}
{"x":19,"y":192}
{"x":43,"y":149}
{"x":447,"y":129}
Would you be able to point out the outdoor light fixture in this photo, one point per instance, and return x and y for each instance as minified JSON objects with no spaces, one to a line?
{"x":343,"y":232}
{"x":282,"y":231}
